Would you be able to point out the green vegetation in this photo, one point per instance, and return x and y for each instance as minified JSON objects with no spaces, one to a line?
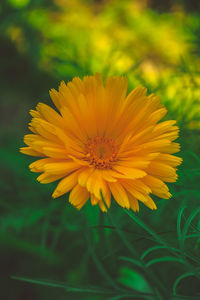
{"x":49,"y":249}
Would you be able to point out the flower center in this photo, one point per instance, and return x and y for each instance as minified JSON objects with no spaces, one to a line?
{"x":101,"y":152}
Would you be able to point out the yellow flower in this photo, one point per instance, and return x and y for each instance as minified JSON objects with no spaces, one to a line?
{"x":103,"y":142}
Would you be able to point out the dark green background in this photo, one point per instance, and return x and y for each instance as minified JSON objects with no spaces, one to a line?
{"x":49,"y":249}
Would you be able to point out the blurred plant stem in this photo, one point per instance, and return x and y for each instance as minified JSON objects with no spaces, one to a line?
{"x":101,"y":229}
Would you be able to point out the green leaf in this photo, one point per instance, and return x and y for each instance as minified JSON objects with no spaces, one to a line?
{"x":119,"y":231}
{"x":181,"y":277}
{"x":69,"y":288}
{"x":192,"y":235}
{"x":134,"y":280}
{"x":99,"y":264}
{"x":131,"y":260}
{"x":135,"y":295}
{"x":179,"y":217}
{"x":147,"y":228}
{"x":188,"y":222}
{"x":194,"y":155}
{"x":157,"y":248}
{"x":164,"y":259}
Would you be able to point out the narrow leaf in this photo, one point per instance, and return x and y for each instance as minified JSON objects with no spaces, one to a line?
{"x":164,"y":259}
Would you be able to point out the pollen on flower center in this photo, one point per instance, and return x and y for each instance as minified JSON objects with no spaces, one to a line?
{"x":101,"y":152}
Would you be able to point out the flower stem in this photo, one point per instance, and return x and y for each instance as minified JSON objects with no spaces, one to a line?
{"x":101,"y":230}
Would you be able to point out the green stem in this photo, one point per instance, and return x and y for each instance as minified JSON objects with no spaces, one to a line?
{"x":101,"y":228}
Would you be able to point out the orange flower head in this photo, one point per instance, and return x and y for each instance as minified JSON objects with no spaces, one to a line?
{"x":103,"y":142}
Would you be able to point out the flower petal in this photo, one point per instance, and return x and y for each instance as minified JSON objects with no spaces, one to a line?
{"x":66,"y":184}
{"x":119,"y":194}
{"x":78,"y":196}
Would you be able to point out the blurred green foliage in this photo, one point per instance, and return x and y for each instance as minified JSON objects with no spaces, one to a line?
{"x":52,"y":249}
